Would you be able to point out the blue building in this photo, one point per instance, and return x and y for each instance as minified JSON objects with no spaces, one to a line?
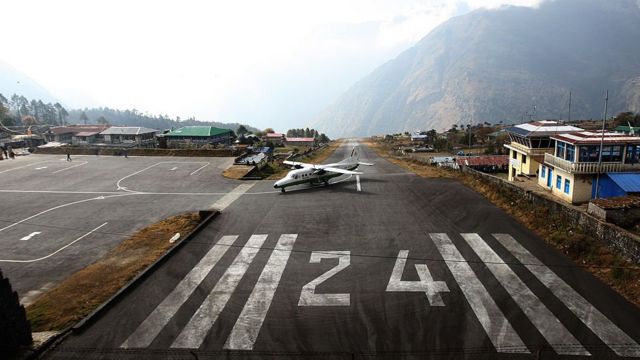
{"x":617,"y":184}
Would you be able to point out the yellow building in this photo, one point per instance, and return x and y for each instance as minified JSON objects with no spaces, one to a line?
{"x":571,"y":170}
{"x":529,"y":143}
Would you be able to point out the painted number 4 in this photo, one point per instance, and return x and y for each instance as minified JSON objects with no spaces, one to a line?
{"x":425,"y":284}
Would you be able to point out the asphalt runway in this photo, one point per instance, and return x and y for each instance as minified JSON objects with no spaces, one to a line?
{"x":382,"y":265}
{"x":57,"y":217}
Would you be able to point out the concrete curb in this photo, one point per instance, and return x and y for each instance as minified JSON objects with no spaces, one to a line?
{"x":95,"y":314}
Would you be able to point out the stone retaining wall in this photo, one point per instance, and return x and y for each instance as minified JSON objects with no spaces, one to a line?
{"x":617,"y":239}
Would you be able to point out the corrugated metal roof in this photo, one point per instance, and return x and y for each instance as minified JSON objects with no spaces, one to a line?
{"x":127,"y":130}
{"x":629,"y":182}
{"x":205,"y":131}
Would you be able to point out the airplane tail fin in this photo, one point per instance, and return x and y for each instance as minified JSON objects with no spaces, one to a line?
{"x":355,"y":156}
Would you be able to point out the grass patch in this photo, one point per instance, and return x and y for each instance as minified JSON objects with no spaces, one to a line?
{"x":236,"y":171}
{"x":585,"y":250}
{"x":78,"y":295}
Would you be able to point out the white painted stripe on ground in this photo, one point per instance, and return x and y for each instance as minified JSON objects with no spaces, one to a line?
{"x":232,"y":196}
{"x":25,"y":166}
{"x":30,"y":236}
{"x":493,"y":321}
{"x":41,"y":168}
{"x":193,"y":334}
{"x":174,"y":168}
{"x":549,"y":326}
{"x":149,"y":329}
{"x":358,"y":183}
{"x":135,"y":173}
{"x":200,"y":168}
{"x":621,"y":343}
{"x":58,"y":207}
{"x":247,"y":327}
{"x":70,"y":167}
{"x":57,"y":251}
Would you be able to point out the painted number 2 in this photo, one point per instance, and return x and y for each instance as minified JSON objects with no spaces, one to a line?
{"x":308,"y":297}
{"x":425,"y":284}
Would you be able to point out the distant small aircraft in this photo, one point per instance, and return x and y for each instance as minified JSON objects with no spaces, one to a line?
{"x":315,"y":173}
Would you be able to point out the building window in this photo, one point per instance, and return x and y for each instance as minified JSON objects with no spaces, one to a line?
{"x":544,"y":172}
{"x":514,"y":154}
{"x":571,"y":153}
{"x":589,"y":153}
{"x":633,"y":154}
{"x":524,"y":159}
{"x":559,"y":182}
{"x":560,"y":149}
{"x":567,"y":185}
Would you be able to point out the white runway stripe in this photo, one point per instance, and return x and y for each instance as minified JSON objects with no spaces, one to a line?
{"x":247,"y":327}
{"x":495,"y":324}
{"x":159,"y":318}
{"x":610,"y":334}
{"x":549,"y":326}
{"x":193,"y":334}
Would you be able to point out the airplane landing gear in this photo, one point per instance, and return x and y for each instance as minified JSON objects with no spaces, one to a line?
{"x":282,"y":189}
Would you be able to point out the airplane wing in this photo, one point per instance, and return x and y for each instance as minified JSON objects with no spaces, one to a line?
{"x":341,"y":171}
{"x":297,"y":164}
{"x":364,"y":163}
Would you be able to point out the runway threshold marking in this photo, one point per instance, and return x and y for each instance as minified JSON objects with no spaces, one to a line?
{"x":358,"y":183}
{"x":159,"y":318}
{"x":41,"y":168}
{"x":57,"y":251}
{"x":247,"y":327}
{"x":28,"y":237}
{"x":621,"y":343}
{"x":493,"y":321}
{"x":70,"y":167}
{"x":193,"y":334}
{"x":540,"y":316}
{"x":174,"y":168}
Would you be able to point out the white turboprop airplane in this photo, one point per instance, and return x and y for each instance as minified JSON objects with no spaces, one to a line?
{"x":314,"y":173}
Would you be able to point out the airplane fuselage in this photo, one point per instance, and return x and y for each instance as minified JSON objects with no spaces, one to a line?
{"x":313,"y":175}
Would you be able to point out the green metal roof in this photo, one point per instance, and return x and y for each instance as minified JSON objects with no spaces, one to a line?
{"x":625,"y":128}
{"x":204,"y":131}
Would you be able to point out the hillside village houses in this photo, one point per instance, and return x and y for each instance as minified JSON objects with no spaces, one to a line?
{"x":197,"y":136}
{"x":130,"y":135}
{"x":566,"y":159}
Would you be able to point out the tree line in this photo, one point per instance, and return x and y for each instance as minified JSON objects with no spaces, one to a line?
{"x":308,"y":133}
{"x":18,"y":110}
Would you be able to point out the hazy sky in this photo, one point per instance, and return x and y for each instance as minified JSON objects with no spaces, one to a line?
{"x":265,"y":63}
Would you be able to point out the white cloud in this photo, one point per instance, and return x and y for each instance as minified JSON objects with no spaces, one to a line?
{"x":212,"y":59}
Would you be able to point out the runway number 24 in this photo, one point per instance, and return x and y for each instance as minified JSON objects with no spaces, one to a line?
{"x":426,"y":284}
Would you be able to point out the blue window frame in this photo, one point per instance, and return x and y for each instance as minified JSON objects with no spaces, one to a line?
{"x":544,"y":172}
{"x":559,"y":182}
{"x":560,"y":149}
{"x":567,"y":186}
{"x":571,"y":153}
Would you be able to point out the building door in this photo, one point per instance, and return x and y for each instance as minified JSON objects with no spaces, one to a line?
{"x":550,"y":178}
